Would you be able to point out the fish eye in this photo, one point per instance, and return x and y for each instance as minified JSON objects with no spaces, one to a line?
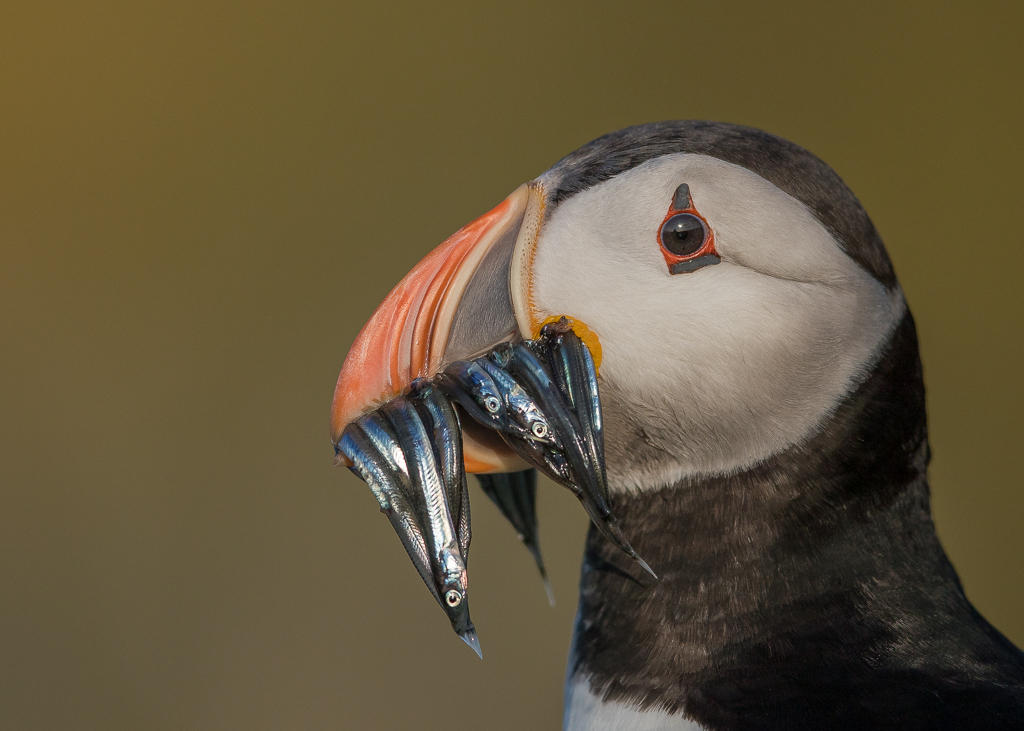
{"x":452,"y":598}
{"x":492,"y":404}
{"x":683,"y":234}
{"x":539,"y":429}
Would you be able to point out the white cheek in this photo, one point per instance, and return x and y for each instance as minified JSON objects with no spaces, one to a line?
{"x":727,"y":365}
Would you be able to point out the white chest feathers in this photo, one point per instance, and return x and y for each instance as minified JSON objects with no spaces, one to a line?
{"x":586,"y":711}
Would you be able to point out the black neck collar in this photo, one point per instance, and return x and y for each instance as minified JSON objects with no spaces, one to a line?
{"x":793,"y":574}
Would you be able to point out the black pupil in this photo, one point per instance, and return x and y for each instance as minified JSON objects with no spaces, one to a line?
{"x":683,"y":234}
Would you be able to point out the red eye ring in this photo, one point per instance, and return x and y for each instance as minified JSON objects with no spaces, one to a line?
{"x":687,"y":241}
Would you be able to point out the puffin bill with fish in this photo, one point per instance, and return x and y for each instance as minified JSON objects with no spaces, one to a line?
{"x":694,"y":327}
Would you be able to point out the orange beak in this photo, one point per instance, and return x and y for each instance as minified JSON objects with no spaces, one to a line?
{"x":461,"y":300}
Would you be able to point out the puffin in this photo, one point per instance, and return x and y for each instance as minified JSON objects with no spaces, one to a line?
{"x":765,"y":435}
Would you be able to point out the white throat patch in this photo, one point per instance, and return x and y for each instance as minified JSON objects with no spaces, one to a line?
{"x":711,"y":371}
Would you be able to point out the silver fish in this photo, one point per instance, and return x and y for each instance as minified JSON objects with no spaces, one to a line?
{"x":541,"y":397}
{"x":494,"y":399}
{"x":410,"y":454}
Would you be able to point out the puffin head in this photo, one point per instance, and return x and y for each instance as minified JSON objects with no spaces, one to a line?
{"x":730,"y":286}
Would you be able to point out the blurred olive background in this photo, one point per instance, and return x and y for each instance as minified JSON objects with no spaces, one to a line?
{"x":201,"y":203}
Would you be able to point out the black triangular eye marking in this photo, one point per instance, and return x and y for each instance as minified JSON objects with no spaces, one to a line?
{"x":692,"y":265}
{"x":681,"y":201}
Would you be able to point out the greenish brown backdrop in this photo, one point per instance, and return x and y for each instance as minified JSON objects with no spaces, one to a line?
{"x":200,"y":203}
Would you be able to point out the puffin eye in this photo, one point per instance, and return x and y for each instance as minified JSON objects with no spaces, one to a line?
{"x":683,"y":234}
